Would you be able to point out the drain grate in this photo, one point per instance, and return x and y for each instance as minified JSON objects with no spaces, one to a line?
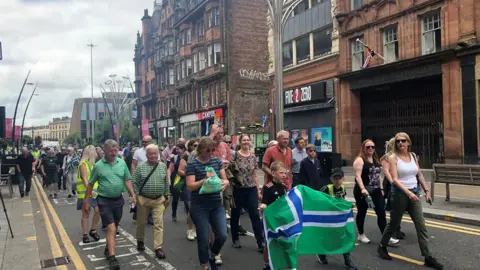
{"x":55,"y":262}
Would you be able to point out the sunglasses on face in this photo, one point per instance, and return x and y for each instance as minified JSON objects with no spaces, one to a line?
{"x":401,"y":141}
{"x":145,"y":141}
{"x":370,"y":147}
{"x":228,"y":142}
{"x":311,"y":150}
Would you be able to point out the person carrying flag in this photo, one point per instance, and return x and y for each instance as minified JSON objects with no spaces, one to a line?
{"x":337,"y":190}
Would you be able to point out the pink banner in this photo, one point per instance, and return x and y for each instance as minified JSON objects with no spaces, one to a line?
{"x":115,"y":130}
{"x":8,"y":128}
{"x":144,"y":127}
{"x":18,"y":130}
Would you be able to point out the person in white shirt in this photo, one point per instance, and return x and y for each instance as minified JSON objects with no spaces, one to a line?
{"x":140,"y":156}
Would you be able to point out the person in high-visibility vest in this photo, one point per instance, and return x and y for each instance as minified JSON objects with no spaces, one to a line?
{"x":83,"y":176}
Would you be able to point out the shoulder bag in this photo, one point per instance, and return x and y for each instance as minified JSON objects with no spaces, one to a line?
{"x":146,"y":179}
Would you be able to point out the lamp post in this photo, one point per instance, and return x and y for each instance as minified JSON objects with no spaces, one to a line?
{"x":279,"y":11}
{"x":16,"y":108}
{"x":26,"y":109}
{"x":137,"y":102}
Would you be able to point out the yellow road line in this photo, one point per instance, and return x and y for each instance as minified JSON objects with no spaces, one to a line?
{"x":28,"y":215}
{"x":435,"y":226}
{"x":56,"y":251}
{"x":406,"y":259}
{"x":32,"y":238}
{"x":74,"y":256}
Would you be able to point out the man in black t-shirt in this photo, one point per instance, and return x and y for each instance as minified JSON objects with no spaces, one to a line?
{"x":61,"y":180}
{"x":50,"y":168}
{"x":24,"y":166}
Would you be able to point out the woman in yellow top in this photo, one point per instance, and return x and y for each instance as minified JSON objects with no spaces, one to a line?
{"x":84,"y":171}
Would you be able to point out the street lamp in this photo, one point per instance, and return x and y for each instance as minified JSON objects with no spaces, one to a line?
{"x":26,"y":109}
{"x":16,"y":107}
{"x":279,"y":11}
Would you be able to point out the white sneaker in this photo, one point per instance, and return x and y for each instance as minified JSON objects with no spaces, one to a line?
{"x":227,"y":216}
{"x":218,"y":259}
{"x":190,"y":235}
{"x":194,"y":233}
{"x":393,"y":241}
{"x":362,"y":238}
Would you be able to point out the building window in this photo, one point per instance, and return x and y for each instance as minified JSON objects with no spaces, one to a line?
{"x":178,"y":44}
{"x":202,"y":97}
{"x":303,"y":49}
{"x":195,"y":62}
{"x":210,"y":18}
{"x":217,"y":15}
{"x":322,"y":42}
{"x":357,"y":55}
{"x":218,"y":52}
{"x":211,"y":91}
{"x":356,"y":4}
{"x":431,"y":39}
{"x":189,"y":66}
{"x":200,"y":30}
{"x":217,"y":93}
{"x":170,"y":48}
{"x":287,"y":54}
{"x":171,"y":75}
{"x":390,"y":44}
{"x":201,"y":60}
{"x":316,"y":2}
{"x":188,"y":33}
{"x":183,"y":69}
{"x":179,"y":73}
{"x":301,"y":7}
{"x":210,"y":55}
{"x":181,"y":38}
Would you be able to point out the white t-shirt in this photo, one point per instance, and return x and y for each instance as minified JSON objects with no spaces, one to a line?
{"x":140,"y":156}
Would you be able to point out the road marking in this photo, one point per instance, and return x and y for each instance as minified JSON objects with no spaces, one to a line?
{"x":102,"y":240}
{"x":32,"y":238}
{"x":165,"y":265}
{"x":27,"y":201}
{"x":141,"y":260}
{"x":133,"y":251}
{"x":28,"y":215}
{"x":55,"y":201}
{"x":248,"y":233}
{"x":103,"y":246}
{"x":67,"y":243}
{"x":452,"y":228}
{"x":54,"y":245}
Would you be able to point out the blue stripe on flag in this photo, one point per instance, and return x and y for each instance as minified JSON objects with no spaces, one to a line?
{"x":340,"y":218}
{"x":297,"y":203}
{"x":297,"y":228}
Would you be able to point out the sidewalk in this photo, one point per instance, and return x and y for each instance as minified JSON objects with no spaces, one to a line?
{"x":462,"y":207}
{"x":22,"y":251}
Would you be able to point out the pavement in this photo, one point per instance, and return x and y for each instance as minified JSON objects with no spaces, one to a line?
{"x":50,"y":228}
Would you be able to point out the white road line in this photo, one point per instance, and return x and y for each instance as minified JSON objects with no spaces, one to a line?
{"x":103,"y":245}
{"x":55,"y":201}
{"x":141,"y":260}
{"x":102,"y":240}
{"x":165,"y":265}
{"x":248,"y":233}
{"x":133,"y":251}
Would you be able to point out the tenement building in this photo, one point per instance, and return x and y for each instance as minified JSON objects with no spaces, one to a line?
{"x":201,"y":62}
{"x":423,"y":78}
{"x":310,"y":63}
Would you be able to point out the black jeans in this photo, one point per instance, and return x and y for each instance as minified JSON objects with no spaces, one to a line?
{"x":247,"y":199}
{"x":362,"y":208}
{"x":175,"y":198}
{"x":24,"y":183}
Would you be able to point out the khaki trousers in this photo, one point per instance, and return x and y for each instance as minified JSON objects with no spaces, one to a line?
{"x":144,"y":205}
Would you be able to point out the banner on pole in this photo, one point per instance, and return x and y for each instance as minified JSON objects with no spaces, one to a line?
{"x":8,"y":128}
{"x":145,"y":127}
{"x":18,"y":130}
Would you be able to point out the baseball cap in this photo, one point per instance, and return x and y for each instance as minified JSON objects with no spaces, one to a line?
{"x":337,"y":172}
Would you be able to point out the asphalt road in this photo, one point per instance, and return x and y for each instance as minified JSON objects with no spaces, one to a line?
{"x":456,"y":246}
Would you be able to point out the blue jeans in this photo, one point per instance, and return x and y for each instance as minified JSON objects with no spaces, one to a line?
{"x":205,"y":215}
{"x":176,"y":195}
{"x":21,"y":183}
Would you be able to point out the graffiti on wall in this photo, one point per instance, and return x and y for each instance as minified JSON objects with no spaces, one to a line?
{"x":253,"y":75}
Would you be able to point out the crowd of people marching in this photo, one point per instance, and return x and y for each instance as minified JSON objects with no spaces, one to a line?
{"x":157,"y":177}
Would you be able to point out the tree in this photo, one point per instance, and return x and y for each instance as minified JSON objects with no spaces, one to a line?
{"x":27,"y":140}
{"x":72,"y":139}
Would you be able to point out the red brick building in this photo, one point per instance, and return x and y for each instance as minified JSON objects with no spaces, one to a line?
{"x":428,"y":87}
{"x":202,"y":62}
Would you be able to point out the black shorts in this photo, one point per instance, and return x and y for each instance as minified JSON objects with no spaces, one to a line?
{"x":50,"y":179}
{"x":111,"y":209}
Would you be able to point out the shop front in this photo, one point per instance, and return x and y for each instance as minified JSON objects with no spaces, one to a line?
{"x":152,"y":129}
{"x":166,"y":130}
{"x":209,"y":118}
{"x":190,"y":126}
{"x":309,"y":112}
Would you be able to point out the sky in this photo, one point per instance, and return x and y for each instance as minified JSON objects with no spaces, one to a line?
{"x":50,"y":37}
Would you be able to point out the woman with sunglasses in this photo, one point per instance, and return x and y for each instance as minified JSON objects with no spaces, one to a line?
{"x":367,"y":190}
{"x":406,"y":176}
{"x":207,"y":209}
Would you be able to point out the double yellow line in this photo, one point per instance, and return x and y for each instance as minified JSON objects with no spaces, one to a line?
{"x":55,"y":246}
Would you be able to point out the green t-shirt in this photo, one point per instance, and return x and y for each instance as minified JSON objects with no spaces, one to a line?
{"x":111,"y":177}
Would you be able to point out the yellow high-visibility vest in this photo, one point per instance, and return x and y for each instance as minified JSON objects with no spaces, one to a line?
{"x":81,"y":188}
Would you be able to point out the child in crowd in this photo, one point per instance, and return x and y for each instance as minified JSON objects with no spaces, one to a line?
{"x":337,"y":190}
{"x":271,"y":192}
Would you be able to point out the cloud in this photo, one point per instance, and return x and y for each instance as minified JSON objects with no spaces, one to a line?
{"x":50,"y":37}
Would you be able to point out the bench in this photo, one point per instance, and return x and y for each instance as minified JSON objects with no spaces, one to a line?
{"x":454,"y":174}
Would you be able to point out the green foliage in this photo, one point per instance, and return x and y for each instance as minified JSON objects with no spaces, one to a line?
{"x":73,"y":139}
{"x":27,"y":140}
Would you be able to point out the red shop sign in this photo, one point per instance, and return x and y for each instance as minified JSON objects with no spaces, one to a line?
{"x":210,"y":114}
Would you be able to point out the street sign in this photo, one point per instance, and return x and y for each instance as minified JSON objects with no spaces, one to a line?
{"x":1,"y":51}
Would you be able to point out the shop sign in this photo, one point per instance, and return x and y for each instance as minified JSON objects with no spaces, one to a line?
{"x":305,"y":94}
{"x":210,"y":114}
{"x":151,"y":125}
{"x":188,"y":118}
{"x":163,"y":123}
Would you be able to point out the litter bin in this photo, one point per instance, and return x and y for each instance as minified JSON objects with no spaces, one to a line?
{"x":260,"y":152}
{"x":329,"y":161}
{"x":9,"y":161}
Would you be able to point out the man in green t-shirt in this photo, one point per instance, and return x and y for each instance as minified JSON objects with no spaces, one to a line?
{"x":112,"y":176}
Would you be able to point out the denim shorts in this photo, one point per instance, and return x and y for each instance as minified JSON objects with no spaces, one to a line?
{"x":111,"y":209}
{"x":93,"y":203}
